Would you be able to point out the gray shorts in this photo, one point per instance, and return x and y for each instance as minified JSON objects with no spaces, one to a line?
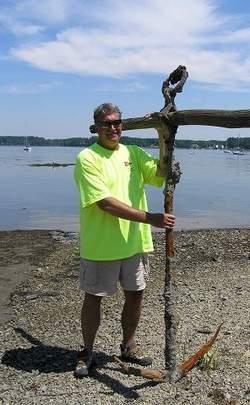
{"x":101,"y":277}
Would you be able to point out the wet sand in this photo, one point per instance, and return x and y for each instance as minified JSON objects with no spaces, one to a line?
{"x":20,"y":253}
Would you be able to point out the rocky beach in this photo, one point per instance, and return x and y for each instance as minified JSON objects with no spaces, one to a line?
{"x":40,"y":329}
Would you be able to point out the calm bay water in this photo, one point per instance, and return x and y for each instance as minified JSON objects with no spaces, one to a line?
{"x":214,"y":190}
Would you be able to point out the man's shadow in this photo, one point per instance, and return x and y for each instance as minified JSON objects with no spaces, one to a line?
{"x":53,"y":359}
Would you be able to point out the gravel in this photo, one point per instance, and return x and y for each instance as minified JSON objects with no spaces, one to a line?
{"x":40,"y":342}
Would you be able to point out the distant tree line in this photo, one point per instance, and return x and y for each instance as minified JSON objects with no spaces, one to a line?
{"x":243,"y":143}
{"x":230,"y":143}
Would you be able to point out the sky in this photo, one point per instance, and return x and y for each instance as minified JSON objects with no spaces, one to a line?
{"x":59,"y":59}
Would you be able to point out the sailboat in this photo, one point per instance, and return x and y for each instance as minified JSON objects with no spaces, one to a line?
{"x":226,"y":150}
{"x":238,"y":151}
{"x":27,"y":147}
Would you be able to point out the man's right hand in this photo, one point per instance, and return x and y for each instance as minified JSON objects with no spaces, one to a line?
{"x":122,"y":210}
{"x":166,"y":221}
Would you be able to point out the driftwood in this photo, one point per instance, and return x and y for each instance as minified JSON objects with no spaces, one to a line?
{"x":177,"y":79}
{"x":214,"y":118}
{"x":149,"y":373}
{"x":189,"y":363}
{"x":171,"y":86}
{"x":160,"y":376}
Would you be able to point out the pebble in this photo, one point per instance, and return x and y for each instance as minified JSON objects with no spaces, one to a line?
{"x":43,"y":352}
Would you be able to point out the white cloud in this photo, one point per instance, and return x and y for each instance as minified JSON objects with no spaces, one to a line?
{"x":150,"y":36}
{"x":48,"y":11}
{"x":241,"y":35}
{"x":17,"y":27}
{"x":121,"y":87}
{"x":28,"y":88}
{"x":29,"y":17}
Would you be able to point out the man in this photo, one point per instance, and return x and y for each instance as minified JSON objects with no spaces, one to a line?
{"x":115,"y":230}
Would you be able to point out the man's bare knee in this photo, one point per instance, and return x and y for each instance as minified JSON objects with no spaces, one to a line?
{"x":92,"y":299}
{"x":133,"y":295}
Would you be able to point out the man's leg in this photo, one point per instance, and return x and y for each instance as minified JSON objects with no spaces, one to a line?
{"x":99,"y":278}
{"x":131,"y":316}
{"x":133,"y":283}
{"x":90,"y":319}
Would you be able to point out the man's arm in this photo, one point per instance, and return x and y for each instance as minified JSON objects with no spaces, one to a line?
{"x":122,"y":210}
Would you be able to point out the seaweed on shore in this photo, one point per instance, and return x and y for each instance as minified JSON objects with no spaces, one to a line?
{"x":52,"y":164}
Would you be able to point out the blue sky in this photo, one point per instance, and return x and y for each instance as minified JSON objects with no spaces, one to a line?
{"x":59,"y":59}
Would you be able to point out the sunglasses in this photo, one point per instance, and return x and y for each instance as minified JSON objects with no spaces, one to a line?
{"x":109,"y":124}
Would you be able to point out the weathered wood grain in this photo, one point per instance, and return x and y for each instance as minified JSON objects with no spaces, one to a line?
{"x":214,"y":118}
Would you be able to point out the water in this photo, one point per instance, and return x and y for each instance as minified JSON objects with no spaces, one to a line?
{"x":214,"y":190}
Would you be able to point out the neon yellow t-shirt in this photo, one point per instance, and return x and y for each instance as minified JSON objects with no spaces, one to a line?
{"x":122,"y":173}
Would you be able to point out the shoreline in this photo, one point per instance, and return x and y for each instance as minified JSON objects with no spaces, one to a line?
{"x":187,"y":226}
{"x":20,"y":261}
{"x":42,"y":336}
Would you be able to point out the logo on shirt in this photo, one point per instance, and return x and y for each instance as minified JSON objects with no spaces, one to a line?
{"x":127,"y":163}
